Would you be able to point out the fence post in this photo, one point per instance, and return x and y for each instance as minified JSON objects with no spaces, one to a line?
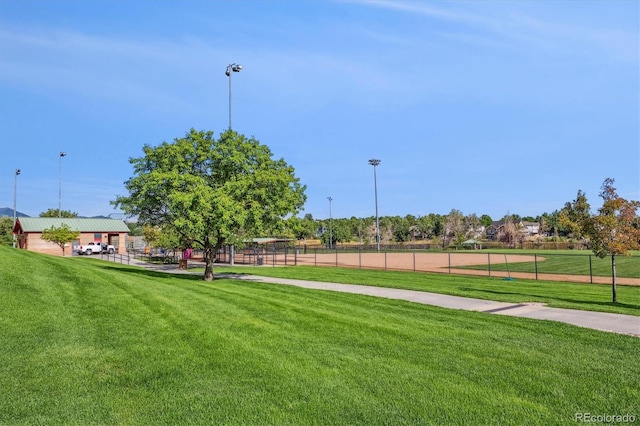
{"x":315,"y":257}
{"x":535,"y":262}
{"x":590,"y":270}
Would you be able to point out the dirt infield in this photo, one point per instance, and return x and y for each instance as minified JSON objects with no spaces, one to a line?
{"x":435,"y":262}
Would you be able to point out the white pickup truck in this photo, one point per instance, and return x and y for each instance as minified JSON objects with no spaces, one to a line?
{"x":92,"y":248}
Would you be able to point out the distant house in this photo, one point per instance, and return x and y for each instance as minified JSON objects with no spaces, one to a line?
{"x":524,"y":228}
{"x":109,"y":231}
{"x":494,"y":229}
{"x":529,"y":228}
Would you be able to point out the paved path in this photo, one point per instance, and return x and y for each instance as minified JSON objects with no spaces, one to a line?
{"x":617,"y":323}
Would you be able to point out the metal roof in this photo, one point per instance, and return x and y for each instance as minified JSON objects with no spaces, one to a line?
{"x":267,"y":240}
{"x":39,"y":224}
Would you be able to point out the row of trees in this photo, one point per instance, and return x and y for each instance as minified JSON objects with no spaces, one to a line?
{"x":449,"y":229}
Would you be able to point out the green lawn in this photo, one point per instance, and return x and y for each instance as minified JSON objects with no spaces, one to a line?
{"x":572,"y":262}
{"x":591,"y":297}
{"x":86,"y":342}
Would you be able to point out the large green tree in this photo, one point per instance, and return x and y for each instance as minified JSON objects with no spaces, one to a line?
{"x":612,"y":230}
{"x":61,"y":235}
{"x":212,"y":191}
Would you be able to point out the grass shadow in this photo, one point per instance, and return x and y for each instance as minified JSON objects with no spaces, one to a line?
{"x":549,"y":300}
{"x":154,"y":273}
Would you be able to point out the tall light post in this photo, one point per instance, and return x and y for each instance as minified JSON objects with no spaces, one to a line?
{"x":15,"y":196}
{"x":62,"y":154}
{"x":231,"y":68}
{"x":330,"y":225}
{"x":374,"y":162}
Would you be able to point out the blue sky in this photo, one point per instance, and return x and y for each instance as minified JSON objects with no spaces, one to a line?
{"x":481,"y":106}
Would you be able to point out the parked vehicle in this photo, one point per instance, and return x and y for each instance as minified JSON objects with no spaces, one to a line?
{"x":93,"y":248}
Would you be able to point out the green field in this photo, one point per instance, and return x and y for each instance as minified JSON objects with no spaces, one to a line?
{"x":589,"y":297}
{"x":572,"y":262}
{"x":87,"y":342}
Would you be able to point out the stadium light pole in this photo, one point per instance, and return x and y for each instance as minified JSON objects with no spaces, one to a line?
{"x":15,"y":196}
{"x":62,"y":154}
{"x":231,"y":68}
{"x":374,"y":162}
{"x":330,"y":225}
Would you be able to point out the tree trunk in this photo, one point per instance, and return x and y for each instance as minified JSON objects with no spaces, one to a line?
{"x":613,"y":276}
{"x":209,"y":258}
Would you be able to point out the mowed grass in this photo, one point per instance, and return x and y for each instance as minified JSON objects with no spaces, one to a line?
{"x":87,"y":342}
{"x":590,"y":297}
{"x":568,"y":262}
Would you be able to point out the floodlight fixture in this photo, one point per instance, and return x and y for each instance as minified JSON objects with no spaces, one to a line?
{"x":231,"y":68}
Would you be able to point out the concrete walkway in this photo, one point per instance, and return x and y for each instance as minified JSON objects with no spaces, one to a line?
{"x":603,"y":321}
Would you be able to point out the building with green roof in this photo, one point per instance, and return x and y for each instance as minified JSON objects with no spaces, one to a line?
{"x":107,"y":231}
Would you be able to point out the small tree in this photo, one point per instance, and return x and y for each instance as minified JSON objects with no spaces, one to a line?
{"x":508,"y":232}
{"x":60,"y":235}
{"x":575,"y":216}
{"x":6,"y":231}
{"x":454,"y":227}
{"x":150,"y":234}
{"x":612,"y":230}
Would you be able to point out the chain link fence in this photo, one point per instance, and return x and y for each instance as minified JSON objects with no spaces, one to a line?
{"x":579,"y":267}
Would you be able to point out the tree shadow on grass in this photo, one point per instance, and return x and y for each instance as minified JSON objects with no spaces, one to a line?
{"x":550,"y":299}
{"x":154,"y":273}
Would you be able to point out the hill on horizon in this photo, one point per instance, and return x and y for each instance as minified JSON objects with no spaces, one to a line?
{"x":7,"y":211}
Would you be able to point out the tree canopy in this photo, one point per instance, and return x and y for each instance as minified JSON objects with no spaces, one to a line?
{"x":63,"y":213}
{"x":61,"y":235}
{"x":6,"y":231}
{"x":212,"y":191}
{"x":575,"y":216}
{"x":613,"y":230}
